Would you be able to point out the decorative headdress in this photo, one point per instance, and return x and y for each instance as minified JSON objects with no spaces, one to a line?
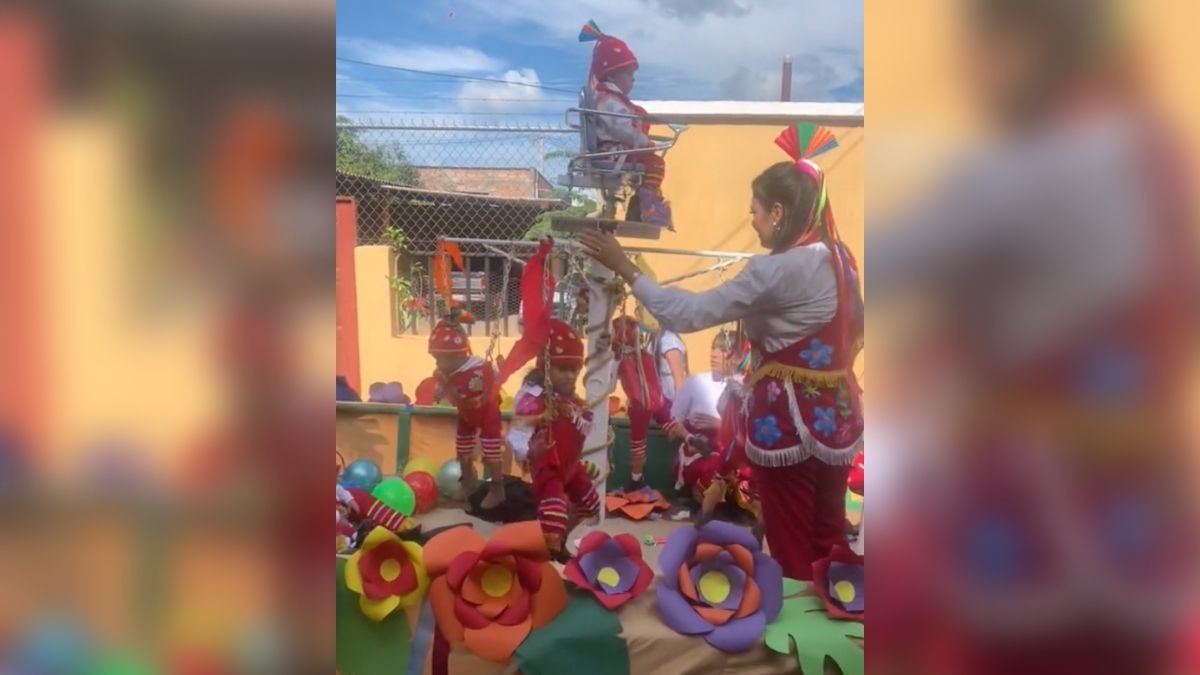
{"x":803,"y":142}
{"x":449,"y":337}
{"x":608,"y":56}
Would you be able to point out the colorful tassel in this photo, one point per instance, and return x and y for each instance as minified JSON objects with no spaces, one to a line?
{"x":806,"y":140}
{"x":590,"y":32}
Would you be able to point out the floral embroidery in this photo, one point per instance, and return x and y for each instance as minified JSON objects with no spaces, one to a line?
{"x":811,"y":390}
{"x":826,"y":423}
{"x":818,"y":354}
{"x":773,"y":392}
{"x":766,"y":431}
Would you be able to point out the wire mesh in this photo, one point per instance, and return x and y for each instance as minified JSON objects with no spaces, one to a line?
{"x":415,"y":184}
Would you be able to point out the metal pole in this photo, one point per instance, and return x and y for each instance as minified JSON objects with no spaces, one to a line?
{"x":597,"y":377}
{"x":785,"y":91}
{"x":567,"y":243}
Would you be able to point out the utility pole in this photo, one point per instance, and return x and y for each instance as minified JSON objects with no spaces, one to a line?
{"x":785,"y":90}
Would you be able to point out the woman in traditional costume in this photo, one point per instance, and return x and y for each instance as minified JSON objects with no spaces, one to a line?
{"x":802,"y":311}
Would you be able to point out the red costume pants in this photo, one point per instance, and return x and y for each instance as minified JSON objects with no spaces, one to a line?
{"x":804,"y":512}
{"x":488,"y":434}
{"x":561,"y":493}
{"x":639,"y":424}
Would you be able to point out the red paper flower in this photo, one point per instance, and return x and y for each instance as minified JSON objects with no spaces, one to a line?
{"x":492,"y":594}
{"x":839,"y":580}
{"x":386,"y":573}
{"x":611,"y":568}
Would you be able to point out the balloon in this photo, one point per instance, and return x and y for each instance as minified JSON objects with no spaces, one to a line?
{"x":448,"y":477}
{"x":424,"y":486}
{"x":428,"y":465}
{"x":363,"y":474}
{"x":395,"y":493}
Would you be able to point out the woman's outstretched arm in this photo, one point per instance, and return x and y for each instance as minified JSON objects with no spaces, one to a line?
{"x":680,"y":310}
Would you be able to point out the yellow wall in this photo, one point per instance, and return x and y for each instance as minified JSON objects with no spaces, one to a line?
{"x":708,"y":183}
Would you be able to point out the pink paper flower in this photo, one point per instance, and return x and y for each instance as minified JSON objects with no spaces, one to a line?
{"x":611,"y":568}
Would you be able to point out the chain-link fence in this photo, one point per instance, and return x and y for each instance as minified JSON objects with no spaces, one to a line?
{"x":415,"y":184}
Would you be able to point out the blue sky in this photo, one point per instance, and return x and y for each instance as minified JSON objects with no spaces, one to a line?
{"x":688,"y":49}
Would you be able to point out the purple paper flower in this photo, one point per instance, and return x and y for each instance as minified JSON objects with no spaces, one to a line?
{"x":611,"y":568}
{"x":718,"y":583}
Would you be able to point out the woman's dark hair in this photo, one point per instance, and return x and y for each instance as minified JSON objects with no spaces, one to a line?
{"x":795,"y":191}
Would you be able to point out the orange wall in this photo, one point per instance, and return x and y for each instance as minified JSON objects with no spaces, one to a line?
{"x":708,"y":183}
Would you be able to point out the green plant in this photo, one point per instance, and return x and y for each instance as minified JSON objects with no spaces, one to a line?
{"x":410,"y":303}
{"x":385,"y":162}
{"x":575,"y":205}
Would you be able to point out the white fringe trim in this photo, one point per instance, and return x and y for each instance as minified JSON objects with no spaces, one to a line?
{"x":808,"y":447}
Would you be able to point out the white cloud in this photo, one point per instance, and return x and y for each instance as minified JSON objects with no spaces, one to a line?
{"x":508,"y":97}
{"x":705,"y":43}
{"x":431,"y":58}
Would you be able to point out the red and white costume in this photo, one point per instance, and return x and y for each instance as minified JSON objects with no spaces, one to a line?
{"x":699,"y":397}
{"x":362,"y":506}
{"x":469,"y":389}
{"x":553,"y":422}
{"x":802,"y":406}
{"x":561,"y":485}
{"x":609,"y":56}
{"x":638,"y":375}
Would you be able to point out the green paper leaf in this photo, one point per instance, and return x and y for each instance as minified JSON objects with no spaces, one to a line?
{"x":793,"y":587}
{"x":365,"y":647}
{"x":585,"y":638}
{"x":804,"y":622}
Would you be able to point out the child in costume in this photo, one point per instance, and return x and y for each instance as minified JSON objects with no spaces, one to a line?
{"x":466,"y":381}
{"x":548,"y":432}
{"x":638,"y":375}
{"x":550,"y":422}
{"x":611,"y":78}
{"x":358,"y":513}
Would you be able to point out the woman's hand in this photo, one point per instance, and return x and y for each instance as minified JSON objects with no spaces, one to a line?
{"x":606,"y":250}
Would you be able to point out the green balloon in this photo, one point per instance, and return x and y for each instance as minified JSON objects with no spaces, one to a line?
{"x":448,"y":477}
{"x":397,"y":494}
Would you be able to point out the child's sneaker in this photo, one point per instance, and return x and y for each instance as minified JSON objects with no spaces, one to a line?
{"x":654,"y":209}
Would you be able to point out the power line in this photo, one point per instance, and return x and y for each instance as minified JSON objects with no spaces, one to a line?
{"x":452,"y":76}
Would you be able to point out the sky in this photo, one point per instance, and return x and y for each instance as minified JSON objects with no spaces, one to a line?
{"x":687,"y":49}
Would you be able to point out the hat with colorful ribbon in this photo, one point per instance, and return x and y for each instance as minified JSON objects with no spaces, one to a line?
{"x":608,"y":56}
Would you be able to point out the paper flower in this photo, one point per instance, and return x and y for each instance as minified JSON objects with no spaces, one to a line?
{"x":636,"y":504}
{"x":387,"y":573}
{"x":492,"y":594}
{"x":611,"y":568}
{"x":766,"y":431}
{"x":718,"y":583}
{"x":840,"y":581}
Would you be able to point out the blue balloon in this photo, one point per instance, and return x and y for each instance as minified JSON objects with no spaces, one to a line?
{"x":363,"y":474}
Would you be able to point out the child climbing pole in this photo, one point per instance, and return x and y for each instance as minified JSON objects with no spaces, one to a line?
{"x":550,"y":421}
